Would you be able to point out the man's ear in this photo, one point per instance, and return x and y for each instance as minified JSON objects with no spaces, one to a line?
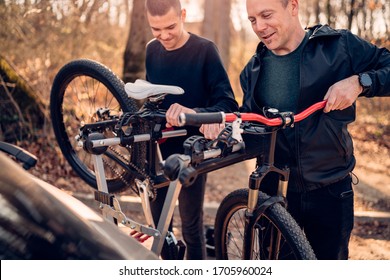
{"x":294,"y":7}
{"x":183,"y":15}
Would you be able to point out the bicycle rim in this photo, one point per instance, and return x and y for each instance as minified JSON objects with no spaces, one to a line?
{"x":86,"y":92}
{"x":275,"y":235}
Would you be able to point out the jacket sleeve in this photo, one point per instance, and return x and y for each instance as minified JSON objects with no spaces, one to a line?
{"x":220,"y":93}
{"x":244,"y":82}
{"x":370,"y":59}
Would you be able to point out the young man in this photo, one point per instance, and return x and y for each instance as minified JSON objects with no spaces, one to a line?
{"x":291,"y":70}
{"x":176,"y":57}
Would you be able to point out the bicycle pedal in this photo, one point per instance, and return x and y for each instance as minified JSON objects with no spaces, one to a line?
{"x":139,"y":236}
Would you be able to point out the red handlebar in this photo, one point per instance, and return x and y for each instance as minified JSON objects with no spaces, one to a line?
{"x":276,"y":121}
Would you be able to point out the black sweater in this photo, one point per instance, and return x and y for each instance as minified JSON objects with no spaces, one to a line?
{"x":197,"y":68}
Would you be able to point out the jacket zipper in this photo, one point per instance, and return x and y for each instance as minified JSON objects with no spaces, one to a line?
{"x":299,"y":180}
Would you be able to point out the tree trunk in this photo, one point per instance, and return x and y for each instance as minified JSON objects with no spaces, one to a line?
{"x":208,"y":27}
{"x":217,"y":26}
{"x":139,"y":34}
{"x":224,"y":28}
{"x":22,"y":110}
{"x":317,"y":11}
{"x":329,"y":13}
{"x":351,"y":14}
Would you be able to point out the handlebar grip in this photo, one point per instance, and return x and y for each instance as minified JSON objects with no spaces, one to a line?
{"x":201,"y":118}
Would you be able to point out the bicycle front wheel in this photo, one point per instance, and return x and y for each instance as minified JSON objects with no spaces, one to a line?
{"x":275,"y":234}
{"x":85,"y":92}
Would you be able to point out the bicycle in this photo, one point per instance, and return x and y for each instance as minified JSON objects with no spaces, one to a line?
{"x":138,"y":133}
{"x":89,"y":102}
{"x":249,"y":224}
{"x":88,"y":97}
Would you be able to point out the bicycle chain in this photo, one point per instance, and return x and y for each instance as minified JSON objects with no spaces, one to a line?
{"x":120,"y":176}
{"x":136,"y":168}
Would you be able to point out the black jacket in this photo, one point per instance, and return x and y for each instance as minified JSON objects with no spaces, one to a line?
{"x":319,"y":150}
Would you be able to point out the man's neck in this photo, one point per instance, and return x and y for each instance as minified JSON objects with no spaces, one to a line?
{"x":183,"y":39}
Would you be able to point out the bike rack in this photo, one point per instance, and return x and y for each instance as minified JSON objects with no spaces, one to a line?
{"x":112,"y":211}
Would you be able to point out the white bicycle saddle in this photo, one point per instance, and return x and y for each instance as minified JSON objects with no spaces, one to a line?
{"x":142,"y":89}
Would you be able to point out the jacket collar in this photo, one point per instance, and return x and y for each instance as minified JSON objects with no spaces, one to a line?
{"x":314,"y":32}
{"x":321,"y":30}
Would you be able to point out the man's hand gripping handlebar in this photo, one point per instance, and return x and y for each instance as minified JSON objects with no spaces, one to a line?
{"x":279,"y":119}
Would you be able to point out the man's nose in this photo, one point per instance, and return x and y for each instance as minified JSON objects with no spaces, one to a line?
{"x":164,"y":35}
{"x":260,"y":26}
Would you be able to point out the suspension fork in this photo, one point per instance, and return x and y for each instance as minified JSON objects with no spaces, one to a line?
{"x":253,"y":196}
{"x":253,"y":212}
{"x":169,"y":206}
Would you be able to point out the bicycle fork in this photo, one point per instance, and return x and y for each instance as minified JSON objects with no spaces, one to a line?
{"x":253,"y":212}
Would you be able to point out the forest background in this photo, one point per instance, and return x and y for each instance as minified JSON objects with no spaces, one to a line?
{"x":40,"y":36}
{"x":37,"y":37}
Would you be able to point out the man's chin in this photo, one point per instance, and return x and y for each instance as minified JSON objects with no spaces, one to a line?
{"x":166,"y":45}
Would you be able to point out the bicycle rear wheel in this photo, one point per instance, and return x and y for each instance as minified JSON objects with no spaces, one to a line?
{"x":85,"y":92}
{"x":274,"y":222}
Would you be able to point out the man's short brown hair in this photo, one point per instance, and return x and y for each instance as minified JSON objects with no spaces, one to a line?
{"x":161,"y":7}
{"x":285,"y":3}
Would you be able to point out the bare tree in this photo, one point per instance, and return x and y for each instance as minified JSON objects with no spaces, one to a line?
{"x":208,"y":27}
{"x":224,"y":31}
{"x":139,"y":34}
{"x":328,"y":12}
{"x":89,"y":13}
{"x":217,"y":25}
{"x":317,"y":10}
{"x":351,"y":14}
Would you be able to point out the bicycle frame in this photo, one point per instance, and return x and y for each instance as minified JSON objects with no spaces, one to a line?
{"x":280,"y":120}
{"x":110,"y":205}
{"x":188,"y":165}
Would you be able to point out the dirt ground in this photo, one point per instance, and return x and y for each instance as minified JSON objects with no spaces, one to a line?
{"x":371,"y":235}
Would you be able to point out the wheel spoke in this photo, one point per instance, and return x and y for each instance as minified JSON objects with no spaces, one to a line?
{"x":275,"y":234}
{"x":80,"y":91}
